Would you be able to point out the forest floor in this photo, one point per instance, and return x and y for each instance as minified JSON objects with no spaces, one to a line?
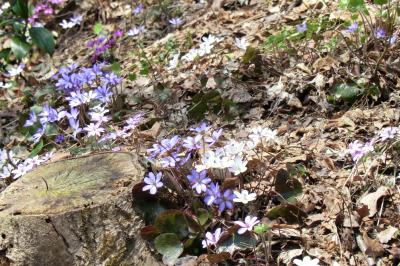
{"x":348,"y":212}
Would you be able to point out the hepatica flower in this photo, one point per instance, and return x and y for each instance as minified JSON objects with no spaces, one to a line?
{"x":244,"y":196}
{"x":241,"y":43}
{"x":212,"y":239}
{"x":175,"y":21}
{"x":247,"y":225}
{"x":301,"y":27}
{"x":225,"y":200}
{"x":212,"y":194}
{"x":388,"y":133}
{"x":199,"y":181}
{"x":393,"y":39}
{"x":352,"y":28}
{"x":153,"y":182}
{"x":306,"y":261}
{"x":193,"y":143}
{"x":138,"y":9}
{"x":357,"y":149}
{"x":94,"y":129}
{"x":380,"y":33}
{"x":135,"y":31}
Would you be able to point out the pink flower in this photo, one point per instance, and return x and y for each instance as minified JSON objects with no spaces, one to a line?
{"x":247,"y":225}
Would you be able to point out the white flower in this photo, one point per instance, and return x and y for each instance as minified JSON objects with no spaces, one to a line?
{"x":234,"y":148}
{"x":135,"y":31}
{"x":173,"y":63}
{"x":212,"y":239}
{"x":72,"y":22}
{"x":98,"y":114}
{"x":238,"y":166}
{"x":4,"y":85}
{"x":241,"y":43}
{"x":388,"y":133}
{"x":94,"y":129}
{"x":307,"y":261}
{"x":205,"y":48}
{"x":12,"y":72}
{"x":6,"y":171}
{"x":244,"y":197}
{"x":190,"y":55}
{"x":260,"y":134}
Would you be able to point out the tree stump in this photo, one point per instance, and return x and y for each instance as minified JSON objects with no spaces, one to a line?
{"x":74,"y":212}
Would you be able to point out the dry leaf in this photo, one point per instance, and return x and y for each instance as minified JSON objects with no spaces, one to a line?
{"x":373,"y":247}
{"x":386,"y":235}
{"x":371,"y":199}
{"x":287,"y":256}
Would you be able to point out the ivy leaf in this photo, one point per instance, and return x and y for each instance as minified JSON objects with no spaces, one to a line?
{"x":19,"y":47}
{"x":172,"y":221}
{"x":43,"y":39}
{"x":169,"y":246}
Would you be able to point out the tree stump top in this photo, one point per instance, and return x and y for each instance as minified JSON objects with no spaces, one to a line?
{"x":70,"y":184}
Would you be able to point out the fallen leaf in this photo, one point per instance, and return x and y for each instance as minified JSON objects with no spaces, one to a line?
{"x":287,"y":256}
{"x":371,"y":199}
{"x":373,"y":247}
{"x":386,"y":235}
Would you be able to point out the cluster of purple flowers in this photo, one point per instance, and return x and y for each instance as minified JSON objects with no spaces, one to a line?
{"x":358,"y":150}
{"x":43,"y":8}
{"x":102,"y":44}
{"x":88,"y":93}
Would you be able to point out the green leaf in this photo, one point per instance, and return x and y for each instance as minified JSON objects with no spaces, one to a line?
{"x":237,"y":242}
{"x":116,"y":68}
{"x":20,"y":8}
{"x":19,"y":47}
{"x":346,"y":92}
{"x":202,"y":216}
{"x":43,"y":39}
{"x":98,"y":28}
{"x":36,"y":149}
{"x":169,"y":246}
{"x":5,"y":53}
{"x":260,"y":229}
{"x":380,"y":2}
{"x":132,"y":77}
{"x":172,"y":221}
{"x":288,"y":187}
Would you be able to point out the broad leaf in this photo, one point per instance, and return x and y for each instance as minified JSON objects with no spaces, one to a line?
{"x":237,"y":242}
{"x":43,"y":39}
{"x":290,"y":213}
{"x":172,"y":221}
{"x":19,"y":47}
{"x":346,"y":92}
{"x":36,"y":149}
{"x":20,"y":8}
{"x":287,"y":187}
{"x":169,"y":246}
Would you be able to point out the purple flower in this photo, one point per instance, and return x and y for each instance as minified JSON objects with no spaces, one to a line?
{"x":199,"y":181}
{"x":214,"y":137}
{"x":31,"y":120}
{"x":103,"y":93}
{"x":352,"y":28}
{"x":73,"y":113}
{"x":247,"y":225}
{"x":357,"y":149}
{"x":135,"y":31}
{"x":74,"y":124}
{"x":59,"y":139}
{"x":48,"y":115}
{"x":301,"y":27}
{"x":380,"y":33}
{"x":388,"y":133}
{"x":175,"y":21}
{"x":138,"y":9}
{"x":118,"y":33}
{"x":111,"y":78}
{"x":225,"y":200}
{"x":170,"y":161}
{"x":202,"y":128}
{"x":153,"y":182}
{"x":168,"y":144}
{"x":212,"y":194}
{"x":191,"y":143}
{"x":133,"y":121}
{"x":212,"y":239}
{"x":38,"y":135}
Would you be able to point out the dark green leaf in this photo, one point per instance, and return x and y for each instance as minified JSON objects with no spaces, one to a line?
{"x":43,"y":39}
{"x":19,"y":47}
{"x":172,"y":221}
{"x":237,"y":242}
{"x":287,"y":187}
{"x":5,"y":53}
{"x":149,"y":232}
{"x":289,"y":212}
{"x":380,"y":2}
{"x":20,"y":8}
{"x":116,"y":68}
{"x":169,"y":246}
{"x":36,"y":149}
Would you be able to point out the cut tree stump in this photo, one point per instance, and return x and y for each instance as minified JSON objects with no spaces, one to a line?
{"x":74,"y":212}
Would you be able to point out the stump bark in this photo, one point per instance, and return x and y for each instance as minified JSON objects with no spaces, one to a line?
{"x":74,"y":212}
